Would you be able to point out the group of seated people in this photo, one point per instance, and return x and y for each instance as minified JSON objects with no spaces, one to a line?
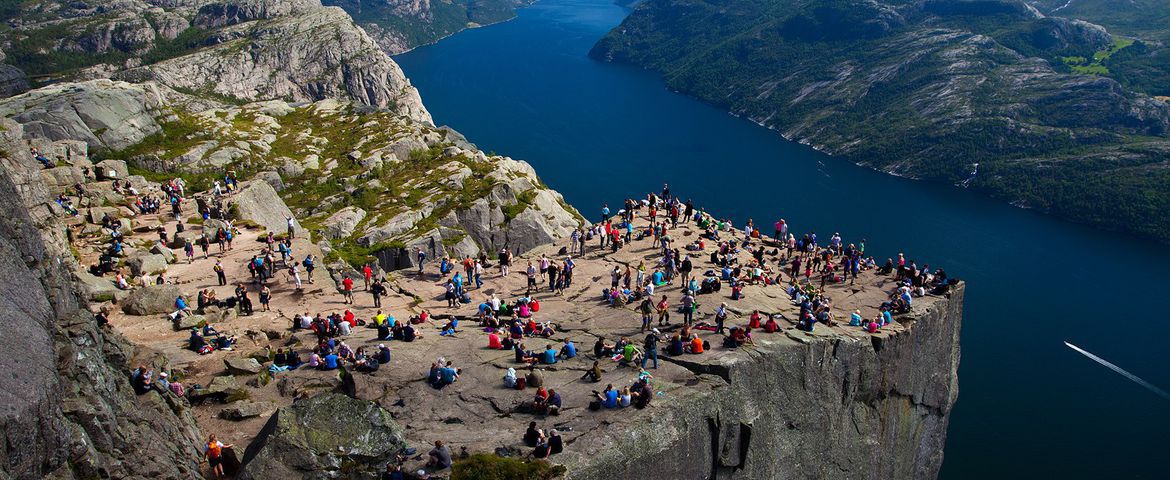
{"x":147,"y":204}
{"x":143,"y":382}
{"x":442,"y":373}
{"x":543,"y":444}
{"x":638,"y":395}
{"x":209,"y":341}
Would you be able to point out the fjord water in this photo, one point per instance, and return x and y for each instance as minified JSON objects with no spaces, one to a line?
{"x":1028,"y":405}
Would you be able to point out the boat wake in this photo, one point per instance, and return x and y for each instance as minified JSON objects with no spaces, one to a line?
{"x":1136,"y":379}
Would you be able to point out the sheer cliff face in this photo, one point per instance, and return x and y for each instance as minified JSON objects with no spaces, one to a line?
{"x":66,"y":406}
{"x":829,"y":407}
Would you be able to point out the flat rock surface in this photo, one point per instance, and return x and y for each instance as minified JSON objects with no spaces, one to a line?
{"x":479,"y":402}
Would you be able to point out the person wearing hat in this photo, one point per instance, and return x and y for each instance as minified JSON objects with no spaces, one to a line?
{"x":651,"y":347}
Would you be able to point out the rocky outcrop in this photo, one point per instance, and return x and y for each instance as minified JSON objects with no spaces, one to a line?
{"x":320,"y":436}
{"x":219,"y":14}
{"x":102,"y":113}
{"x":827,"y":407}
{"x":342,"y":223}
{"x":151,"y":300}
{"x":68,"y":405}
{"x":258,"y":202}
{"x":316,"y":54}
{"x":12,"y":81}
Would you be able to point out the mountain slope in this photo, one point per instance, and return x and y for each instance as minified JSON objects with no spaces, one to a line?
{"x":957,"y":91}
{"x":400,"y":25}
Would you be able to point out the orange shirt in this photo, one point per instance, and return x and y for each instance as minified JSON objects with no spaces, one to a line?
{"x":697,"y":345}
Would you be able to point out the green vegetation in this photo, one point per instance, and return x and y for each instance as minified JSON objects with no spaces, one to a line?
{"x":1095,"y":65}
{"x":921,"y":94}
{"x":485,"y":466}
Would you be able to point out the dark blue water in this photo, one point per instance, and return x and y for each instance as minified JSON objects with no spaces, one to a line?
{"x":1028,"y":405}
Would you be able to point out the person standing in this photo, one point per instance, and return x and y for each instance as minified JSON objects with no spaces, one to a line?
{"x":265,"y":297}
{"x":291,"y":227}
{"x":309,"y":266}
{"x":422,"y":258}
{"x":347,"y":289}
{"x":651,"y":348}
{"x":219,"y":273}
{"x":663,"y":312}
{"x":377,"y":290}
{"x":367,"y":274}
{"x":214,"y":452}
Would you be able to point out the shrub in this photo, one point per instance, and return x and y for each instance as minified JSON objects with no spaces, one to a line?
{"x":486,"y":466}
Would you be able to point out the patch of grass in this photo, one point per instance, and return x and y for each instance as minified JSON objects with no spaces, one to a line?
{"x":524,"y":200}
{"x":485,"y":466}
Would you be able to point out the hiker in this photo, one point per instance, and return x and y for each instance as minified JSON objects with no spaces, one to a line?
{"x":594,"y":373}
{"x":347,"y":289}
{"x":219,"y":273}
{"x":377,"y":290}
{"x":309,"y":265}
{"x":214,"y":452}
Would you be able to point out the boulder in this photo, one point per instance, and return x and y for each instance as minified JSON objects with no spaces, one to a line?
{"x":246,"y":410}
{"x":112,"y":169}
{"x":272,"y":178}
{"x":324,"y":434}
{"x":218,"y":390}
{"x":147,"y":263}
{"x":160,"y":249}
{"x":12,"y":81}
{"x":258,"y":203}
{"x":96,"y":289}
{"x":151,"y":300}
{"x":242,"y":366}
{"x":62,"y":177}
{"x":95,"y":214}
{"x":343,"y":222}
{"x":187,"y":322}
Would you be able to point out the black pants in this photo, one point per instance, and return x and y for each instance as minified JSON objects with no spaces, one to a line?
{"x":222,"y":278}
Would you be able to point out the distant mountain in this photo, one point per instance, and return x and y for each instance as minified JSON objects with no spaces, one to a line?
{"x":986,"y":94}
{"x":400,"y":25}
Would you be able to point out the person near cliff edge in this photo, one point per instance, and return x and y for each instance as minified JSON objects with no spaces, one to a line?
{"x":214,"y":451}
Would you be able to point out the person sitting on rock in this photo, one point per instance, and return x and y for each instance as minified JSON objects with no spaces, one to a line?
{"x":439,"y":457}
{"x":532,"y":435}
{"x":409,"y":334}
{"x":494,"y":342}
{"x":141,"y":380}
{"x":568,"y":350}
{"x":607,"y":397}
{"x":446,"y":375}
{"x":196,"y":342}
{"x":594,"y":373}
{"x":540,"y":452}
{"x":695,"y":345}
{"x":225,"y":342}
{"x":771,"y":326}
{"x":540,"y":400}
{"x":383,"y":354}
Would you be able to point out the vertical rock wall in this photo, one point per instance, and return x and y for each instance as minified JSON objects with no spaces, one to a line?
{"x":66,"y":406}
{"x":829,"y":407}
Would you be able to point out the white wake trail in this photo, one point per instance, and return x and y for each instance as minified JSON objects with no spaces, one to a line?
{"x":1120,"y":370}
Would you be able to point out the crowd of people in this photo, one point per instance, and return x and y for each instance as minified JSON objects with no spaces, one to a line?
{"x":799,"y":267}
